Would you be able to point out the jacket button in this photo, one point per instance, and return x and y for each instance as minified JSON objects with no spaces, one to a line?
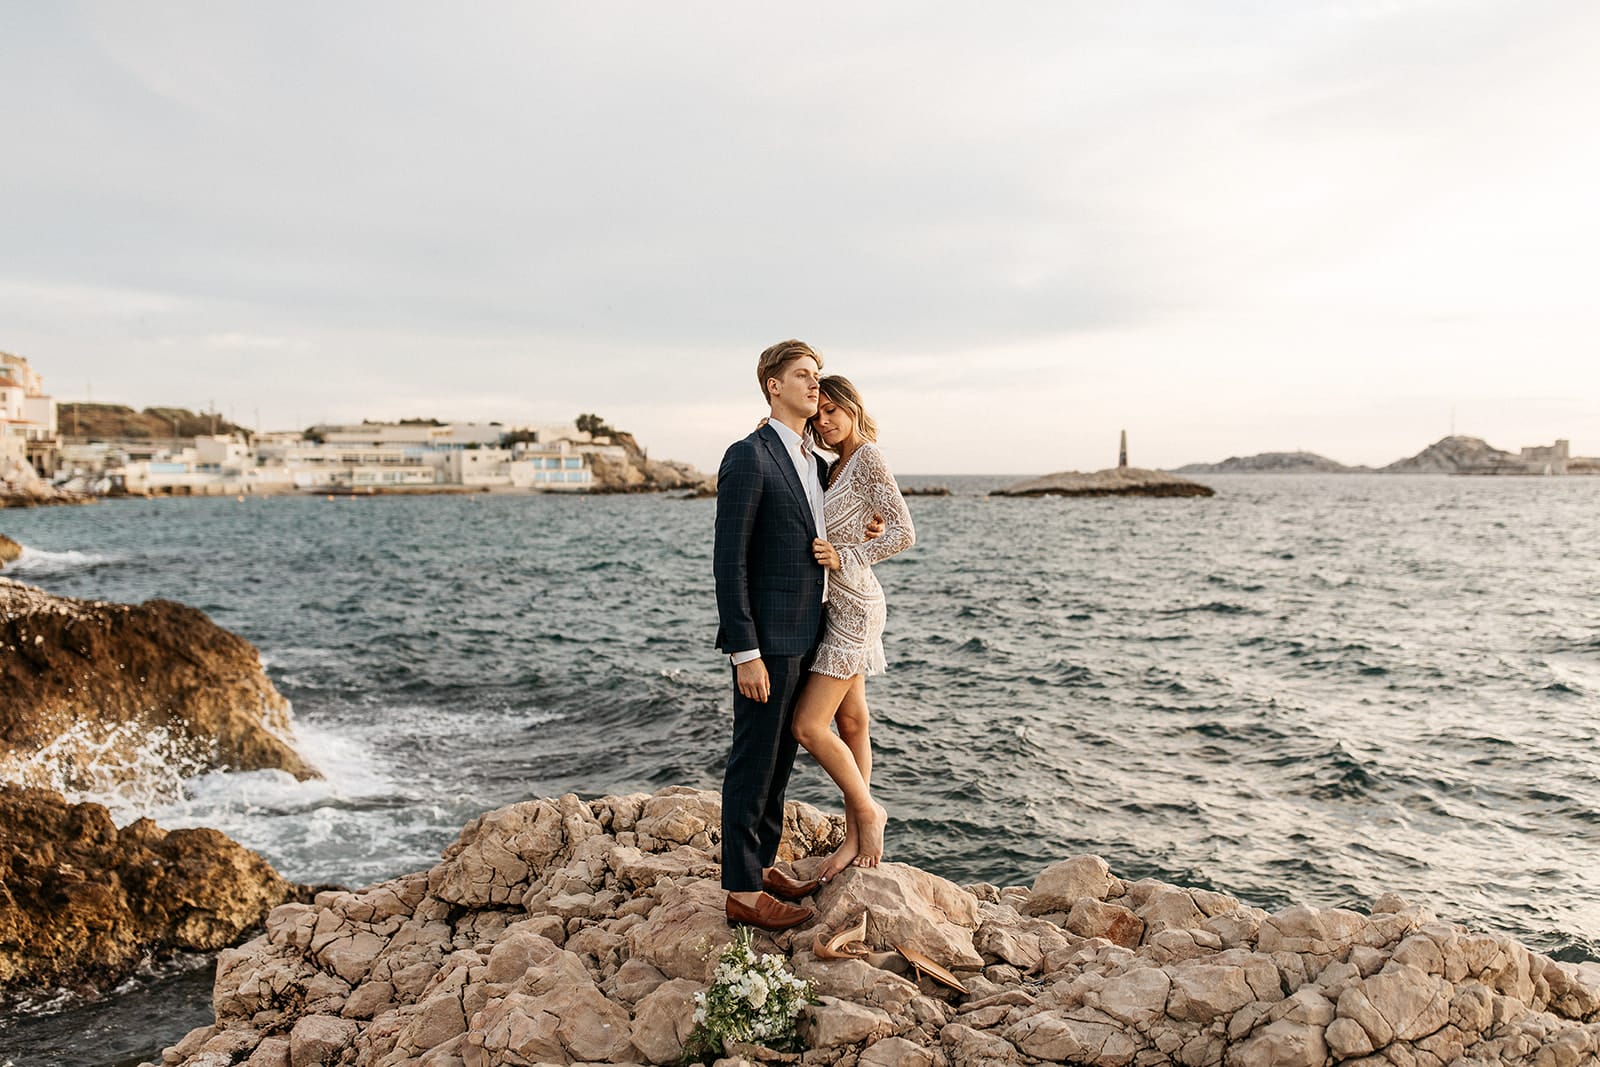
{"x":819,"y":581}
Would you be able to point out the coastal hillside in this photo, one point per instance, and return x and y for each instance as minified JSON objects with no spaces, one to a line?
{"x":118,"y":422}
{"x":1271,"y":463}
{"x":1454,"y":455}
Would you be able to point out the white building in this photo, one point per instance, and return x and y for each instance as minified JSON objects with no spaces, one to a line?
{"x":27,"y":423}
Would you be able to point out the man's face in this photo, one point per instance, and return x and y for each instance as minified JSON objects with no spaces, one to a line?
{"x":797,"y":387}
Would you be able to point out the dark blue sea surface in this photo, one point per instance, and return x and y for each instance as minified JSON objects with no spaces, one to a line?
{"x":1307,"y":688}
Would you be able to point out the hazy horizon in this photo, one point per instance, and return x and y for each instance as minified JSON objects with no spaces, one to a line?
{"x":1343,"y":227}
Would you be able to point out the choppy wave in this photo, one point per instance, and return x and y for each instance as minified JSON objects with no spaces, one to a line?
{"x":131,"y":768}
{"x":36,"y":563}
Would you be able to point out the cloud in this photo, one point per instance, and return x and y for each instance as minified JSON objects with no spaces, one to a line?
{"x":1106,"y":211}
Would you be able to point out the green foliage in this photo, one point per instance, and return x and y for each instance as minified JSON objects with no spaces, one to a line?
{"x":594,"y":424}
{"x":752,"y":999}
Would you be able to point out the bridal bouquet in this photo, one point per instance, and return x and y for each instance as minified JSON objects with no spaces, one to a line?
{"x":752,"y":999}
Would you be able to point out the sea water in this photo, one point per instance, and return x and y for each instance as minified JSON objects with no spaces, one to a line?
{"x":1306,"y":689}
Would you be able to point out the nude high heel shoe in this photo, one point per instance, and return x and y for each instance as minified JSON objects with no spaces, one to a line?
{"x":842,"y":945}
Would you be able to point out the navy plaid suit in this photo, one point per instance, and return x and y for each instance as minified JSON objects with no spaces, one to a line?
{"x":769,"y":596}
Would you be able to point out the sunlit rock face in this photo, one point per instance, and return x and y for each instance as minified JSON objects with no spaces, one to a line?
{"x":95,"y":695}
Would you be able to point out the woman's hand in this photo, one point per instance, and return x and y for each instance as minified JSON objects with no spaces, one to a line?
{"x":764,"y":420}
{"x":825,"y":554}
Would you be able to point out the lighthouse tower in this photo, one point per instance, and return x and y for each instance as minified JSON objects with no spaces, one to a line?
{"x":1122,"y":456}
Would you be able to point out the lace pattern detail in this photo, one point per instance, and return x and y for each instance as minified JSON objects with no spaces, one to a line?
{"x":852,"y":639}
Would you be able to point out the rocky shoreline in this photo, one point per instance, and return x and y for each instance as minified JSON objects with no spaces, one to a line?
{"x":38,"y":494}
{"x":82,"y":904}
{"x":95,"y":697}
{"x":566,"y":931}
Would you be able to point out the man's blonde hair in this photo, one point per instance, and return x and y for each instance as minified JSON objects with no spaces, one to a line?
{"x":776,"y":359}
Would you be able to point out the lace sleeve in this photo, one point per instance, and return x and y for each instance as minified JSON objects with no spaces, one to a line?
{"x":883,"y":494}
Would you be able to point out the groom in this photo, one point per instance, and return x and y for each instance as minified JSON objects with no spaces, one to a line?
{"x":770,"y":590}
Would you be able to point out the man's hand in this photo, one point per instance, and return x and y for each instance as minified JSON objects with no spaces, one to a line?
{"x":753,"y":681}
{"x":875,"y":527}
{"x":825,"y":553}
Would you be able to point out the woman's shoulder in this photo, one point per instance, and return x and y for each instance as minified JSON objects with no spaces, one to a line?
{"x":872,"y":456}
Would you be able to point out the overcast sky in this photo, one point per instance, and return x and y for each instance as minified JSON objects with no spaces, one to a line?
{"x":1019,"y":228}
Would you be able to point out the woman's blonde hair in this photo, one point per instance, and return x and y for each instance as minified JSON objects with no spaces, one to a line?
{"x":839,"y":392}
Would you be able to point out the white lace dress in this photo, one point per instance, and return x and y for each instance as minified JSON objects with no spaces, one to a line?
{"x":852,"y":640}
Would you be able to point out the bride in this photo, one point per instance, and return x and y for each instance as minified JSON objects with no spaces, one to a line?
{"x":859,"y":486}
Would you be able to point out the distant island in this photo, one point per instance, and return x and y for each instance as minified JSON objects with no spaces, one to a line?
{"x":1456,"y":454}
{"x":1121,"y":480}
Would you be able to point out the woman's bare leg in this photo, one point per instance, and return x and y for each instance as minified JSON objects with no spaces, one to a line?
{"x":864,"y":818}
{"x":854,"y":726}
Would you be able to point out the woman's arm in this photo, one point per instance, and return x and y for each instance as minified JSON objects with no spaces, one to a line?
{"x":881,"y":490}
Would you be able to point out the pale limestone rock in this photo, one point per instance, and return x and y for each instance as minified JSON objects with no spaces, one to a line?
{"x":1202,"y":992}
{"x":833,"y":1022}
{"x":272,"y":1052}
{"x":437,"y":1020}
{"x":1061,"y":885}
{"x":497,"y":854}
{"x":318,"y":1039}
{"x":369,"y":999}
{"x":967,"y":1047}
{"x":1236,"y":928}
{"x":1005,"y":942}
{"x":570,"y":1022}
{"x":895,"y":1052}
{"x":1301,"y":929}
{"x":664,"y":1019}
{"x":1164,"y":907}
{"x":1413,"y":1004}
{"x":905,"y":906}
{"x":670,"y":819}
{"x":683,"y":937}
{"x":1137,"y":997}
{"x":857,"y":981}
{"x":635,"y":980}
{"x":394,"y":974}
{"x":1054,"y":1037}
{"x":1422,"y":952}
{"x":1096,"y":918}
{"x":641,"y":870}
{"x":1347,"y":1040}
{"x":1282,"y":1044}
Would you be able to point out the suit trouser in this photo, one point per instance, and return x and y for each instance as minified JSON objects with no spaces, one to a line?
{"x":758,"y":773}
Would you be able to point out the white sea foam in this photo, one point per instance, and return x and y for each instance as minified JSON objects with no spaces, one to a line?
{"x":129,"y":767}
{"x":217,"y":797}
{"x":39,"y":562}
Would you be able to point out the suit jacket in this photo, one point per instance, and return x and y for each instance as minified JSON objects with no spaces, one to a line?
{"x":769,"y":586}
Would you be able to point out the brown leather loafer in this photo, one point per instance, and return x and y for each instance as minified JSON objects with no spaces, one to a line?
{"x":768,"y":913}
{"x":781,"y":885}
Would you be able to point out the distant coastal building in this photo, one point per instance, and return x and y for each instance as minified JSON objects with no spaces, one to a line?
{"x":28,"y":447}
{"x":1550,"y":459}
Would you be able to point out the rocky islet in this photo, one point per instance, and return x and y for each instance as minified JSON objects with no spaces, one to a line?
{"x":565,"y":931}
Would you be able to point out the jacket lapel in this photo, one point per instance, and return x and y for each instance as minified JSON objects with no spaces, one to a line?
{"x":780,"y":456}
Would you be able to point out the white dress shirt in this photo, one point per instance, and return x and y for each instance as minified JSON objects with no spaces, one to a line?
{"x":805,"y":465}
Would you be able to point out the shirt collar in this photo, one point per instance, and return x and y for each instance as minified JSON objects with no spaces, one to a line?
{"x":790,"y":438}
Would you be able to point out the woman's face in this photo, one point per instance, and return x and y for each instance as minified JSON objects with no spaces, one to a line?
{"x":834,"y":423}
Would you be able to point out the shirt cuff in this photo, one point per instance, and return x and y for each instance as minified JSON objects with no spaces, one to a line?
{"x":745,"y":657}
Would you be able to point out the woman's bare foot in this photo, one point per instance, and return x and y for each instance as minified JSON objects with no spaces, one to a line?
{"x":845,"y":854}
{"x":870,"y":851}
